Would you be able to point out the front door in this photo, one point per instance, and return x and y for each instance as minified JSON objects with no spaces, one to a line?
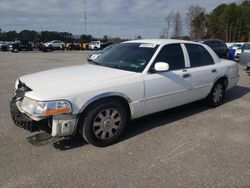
{"x":171,"y":88}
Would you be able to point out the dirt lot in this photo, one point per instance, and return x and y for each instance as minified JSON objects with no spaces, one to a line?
{"x":189,"y":146}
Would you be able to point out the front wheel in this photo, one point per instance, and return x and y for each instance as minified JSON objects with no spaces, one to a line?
{"x":217,"y":94}
{"x":104,"y":123}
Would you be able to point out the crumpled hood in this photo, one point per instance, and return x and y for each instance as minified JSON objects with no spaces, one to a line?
{"x":72,"y":78}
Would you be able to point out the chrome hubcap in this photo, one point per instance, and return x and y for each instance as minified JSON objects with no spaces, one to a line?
{"x":106,"y":123}
{"x":218,"y":93}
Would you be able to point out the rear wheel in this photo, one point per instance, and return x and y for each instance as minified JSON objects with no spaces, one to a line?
{"x":104,"y":123}
{"x":217,"y":94}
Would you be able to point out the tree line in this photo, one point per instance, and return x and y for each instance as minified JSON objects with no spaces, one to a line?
{"x":45,"y":36}
{"x":229,"y":22}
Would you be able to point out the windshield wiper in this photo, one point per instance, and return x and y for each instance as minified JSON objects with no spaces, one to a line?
{"x":94,"y":62}
{"x":113,"y":65}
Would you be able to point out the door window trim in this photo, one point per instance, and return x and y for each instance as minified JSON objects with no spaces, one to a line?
{"x":186,"y":56}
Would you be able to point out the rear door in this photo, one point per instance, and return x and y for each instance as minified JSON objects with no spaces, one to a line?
{"x":202,"y":69}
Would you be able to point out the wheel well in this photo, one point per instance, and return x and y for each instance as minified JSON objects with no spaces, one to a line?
{"x":224,"y":80}
{"x":119,"y":99}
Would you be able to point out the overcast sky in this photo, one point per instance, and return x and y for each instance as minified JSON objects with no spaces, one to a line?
{"x":123,"y":18}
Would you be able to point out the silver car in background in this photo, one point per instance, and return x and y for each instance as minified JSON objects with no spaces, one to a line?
{"x":245,"y":57}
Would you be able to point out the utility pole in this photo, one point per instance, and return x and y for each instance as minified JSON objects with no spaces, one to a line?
{"x":85,"y":17}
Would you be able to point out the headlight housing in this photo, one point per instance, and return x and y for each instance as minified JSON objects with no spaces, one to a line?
{"x":46,"y":108}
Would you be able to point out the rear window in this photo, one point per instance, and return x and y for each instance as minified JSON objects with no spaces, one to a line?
{"x":198,"y":55}
{"x":209,"y":43}
{"x":220,"y":44}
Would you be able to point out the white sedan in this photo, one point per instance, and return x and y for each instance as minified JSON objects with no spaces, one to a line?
{"x":131,"y":80}
{"x":55,"y":44}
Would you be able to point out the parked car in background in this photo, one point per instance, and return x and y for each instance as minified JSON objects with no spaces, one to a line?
{"x":36,"y":44}
{"x":95,"y":45}
{"x":68,"y":46}
{"x":95,"y":55}
{"x":248,"y":67}
{"x":229,"y":44}
{"x":246,"y":48}
{"x":235,"y":45}
{"x":245,"y":56}
{"x":85,"y":46}
{"x":106,"y":44}
{"x":55,"y":45}
{"x":4,"y":46}
{"x":130,"y":80}
{"x":73,"y":46}
{"x":41,"y":47}
{"x":237,"y":51}
{"x":217,"y":45}
{"x":20,"y":45}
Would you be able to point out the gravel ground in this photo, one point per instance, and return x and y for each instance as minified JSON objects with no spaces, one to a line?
{"x":189,"y":146}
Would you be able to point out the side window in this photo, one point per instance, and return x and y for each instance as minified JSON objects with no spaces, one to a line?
{"x":173,"y":55}
{"x":198,"y":55}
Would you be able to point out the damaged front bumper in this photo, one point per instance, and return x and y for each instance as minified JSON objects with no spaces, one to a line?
{"x":58,"y":125}
{"x":23,"y":121}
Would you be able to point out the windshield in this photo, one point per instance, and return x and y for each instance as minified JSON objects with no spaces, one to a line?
{"x":127,"y":56}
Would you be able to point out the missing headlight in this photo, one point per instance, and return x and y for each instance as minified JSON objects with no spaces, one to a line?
{"x":19,"y":93}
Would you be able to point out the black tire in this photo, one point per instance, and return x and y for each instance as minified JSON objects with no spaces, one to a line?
{"x":15,"y":50}
{"x":217,"y":94}
{"x":50,"y":48}
{"x":92,"y":133}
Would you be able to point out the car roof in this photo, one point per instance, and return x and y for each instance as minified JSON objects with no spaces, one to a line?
{"x":212,"y":40}
{"x":159,"y":41}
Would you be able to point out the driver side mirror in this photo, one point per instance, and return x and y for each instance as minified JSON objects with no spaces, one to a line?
{"x":161,"y":67}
